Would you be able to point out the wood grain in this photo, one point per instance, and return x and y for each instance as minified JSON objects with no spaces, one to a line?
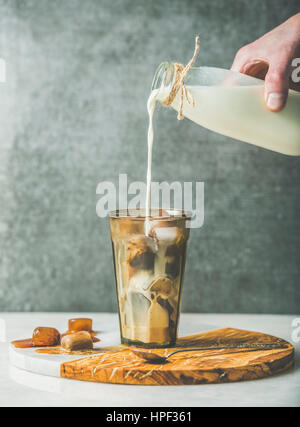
{"x":211,"y":366}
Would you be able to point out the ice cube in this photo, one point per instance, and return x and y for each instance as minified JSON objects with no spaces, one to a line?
{"x":139,"y":306}
{"x":173,"y":267}
{"x":78,"y":341}
{"x":143,"y":261}
{"x":141,"y":250}
{"x":158,"y":319}
{"x":165,"y":303}
{"x":125,"y":227}
{"x":141,"y":280}
{"x":162,"y":286}
{"x":43,"y":336}
{"x":80,"y":324}
{"x":168,"y":235}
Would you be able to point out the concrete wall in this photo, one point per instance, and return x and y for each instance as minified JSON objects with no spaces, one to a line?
{"x":73,"y":112}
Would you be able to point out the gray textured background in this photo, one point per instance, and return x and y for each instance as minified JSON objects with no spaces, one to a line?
{"x":73,"y":112}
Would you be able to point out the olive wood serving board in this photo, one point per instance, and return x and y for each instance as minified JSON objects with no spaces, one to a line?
{"x":210,"y":366}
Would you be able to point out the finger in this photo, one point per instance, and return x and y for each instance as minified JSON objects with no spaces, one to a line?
{"x":239,"y":61}
{"x":276,"y":86}
{"x":256,"y":68}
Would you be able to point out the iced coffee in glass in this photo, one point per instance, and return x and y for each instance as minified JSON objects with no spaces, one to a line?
{"x":149,"y":259}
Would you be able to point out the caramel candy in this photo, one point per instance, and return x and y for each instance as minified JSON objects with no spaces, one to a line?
{"x":78,"y":341}
{"x":80,"y":324}
{"x":43,"y":337}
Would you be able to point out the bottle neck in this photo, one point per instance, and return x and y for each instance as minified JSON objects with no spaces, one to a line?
{"x":163,"y":76}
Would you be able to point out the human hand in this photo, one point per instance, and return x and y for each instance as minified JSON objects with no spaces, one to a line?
{"x":270,"y":58}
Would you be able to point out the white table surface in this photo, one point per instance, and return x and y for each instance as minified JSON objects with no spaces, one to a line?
{"x":22,"y":388}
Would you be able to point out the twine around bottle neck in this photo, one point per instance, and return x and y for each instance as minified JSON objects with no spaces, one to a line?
{"x":178,"y":85}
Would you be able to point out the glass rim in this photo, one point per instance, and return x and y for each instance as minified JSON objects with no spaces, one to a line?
{"x":140,"y":214}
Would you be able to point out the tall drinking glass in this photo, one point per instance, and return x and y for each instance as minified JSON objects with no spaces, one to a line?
{"x":149,"y":260}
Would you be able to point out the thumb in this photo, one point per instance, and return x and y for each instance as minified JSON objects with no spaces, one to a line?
{"x":276,"y":86}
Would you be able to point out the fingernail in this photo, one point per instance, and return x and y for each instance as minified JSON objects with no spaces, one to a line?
{"x":275,"y":101}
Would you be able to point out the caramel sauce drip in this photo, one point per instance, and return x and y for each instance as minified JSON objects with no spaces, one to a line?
{"x":27,"y":343}
{"x":60,"y":350}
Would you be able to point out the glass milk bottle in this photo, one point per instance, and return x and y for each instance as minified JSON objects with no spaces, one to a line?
{"x":233,"y":104}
